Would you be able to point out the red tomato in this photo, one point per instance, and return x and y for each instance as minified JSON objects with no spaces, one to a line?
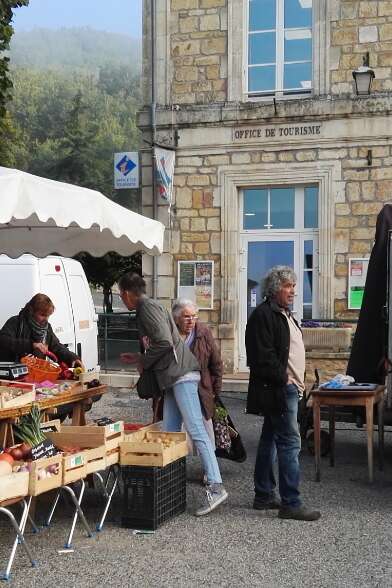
{"x":6,"y":457}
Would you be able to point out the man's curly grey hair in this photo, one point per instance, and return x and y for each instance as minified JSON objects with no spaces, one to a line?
{"x":275,"y":278}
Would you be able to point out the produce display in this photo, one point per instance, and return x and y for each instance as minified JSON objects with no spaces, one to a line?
{"x":163,"y":439}
{"x":29,"y":428}
{"x":49,"y":389}
{"x":14,"y":394}
{"x":11,"y":392}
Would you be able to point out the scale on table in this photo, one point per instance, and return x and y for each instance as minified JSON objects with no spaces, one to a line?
{"x":10,"y":370}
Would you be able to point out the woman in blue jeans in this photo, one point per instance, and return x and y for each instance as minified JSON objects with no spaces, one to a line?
{"x":177,"y":375}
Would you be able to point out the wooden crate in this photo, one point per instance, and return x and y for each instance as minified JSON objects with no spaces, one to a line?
{"x":109,"y":435}
{"x":14,"y":485}
{"x":37,"y":486}
{"x":27,"y":397}
{"x":96,"y":459}
{"x":74,"y":467}
{"x":112,"y":457}
{"x":135,"y":452}
{"x":90,"y":443}
{"x":54,"y":424}
{"x":86,"y":377}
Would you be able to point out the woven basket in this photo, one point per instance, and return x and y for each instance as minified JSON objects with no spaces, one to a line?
{"x":40,"y":369}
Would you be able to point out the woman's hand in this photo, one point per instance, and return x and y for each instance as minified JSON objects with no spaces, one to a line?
{"x":41,"y":347}
{"x":78,"y":363}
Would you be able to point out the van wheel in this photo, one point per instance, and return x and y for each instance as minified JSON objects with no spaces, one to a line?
{"x":325,"y":442}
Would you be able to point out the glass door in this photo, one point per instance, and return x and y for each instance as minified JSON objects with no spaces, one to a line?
{"x":258,"y":255}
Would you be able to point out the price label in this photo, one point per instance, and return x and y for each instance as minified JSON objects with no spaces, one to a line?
{"x":76,"y":460}
{"x":44,"y":449}
{"x":114,"y":428}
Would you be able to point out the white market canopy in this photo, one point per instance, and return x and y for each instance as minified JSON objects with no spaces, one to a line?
{"x":41,"y":216}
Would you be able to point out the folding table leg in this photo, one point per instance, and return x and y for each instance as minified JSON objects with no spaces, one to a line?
{"x":49,"y":519}
{"x":78,"y":511}
{"x":19,"y":537}
{"x":108,"y":495}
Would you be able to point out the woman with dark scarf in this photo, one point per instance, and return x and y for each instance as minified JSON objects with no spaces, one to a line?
{"x":30,"y":333}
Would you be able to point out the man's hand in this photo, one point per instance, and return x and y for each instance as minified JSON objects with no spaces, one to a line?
{"x":41,"y":347}
{"x":132,"y":358}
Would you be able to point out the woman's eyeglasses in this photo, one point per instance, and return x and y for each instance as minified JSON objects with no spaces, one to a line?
{"x":192,"y":317}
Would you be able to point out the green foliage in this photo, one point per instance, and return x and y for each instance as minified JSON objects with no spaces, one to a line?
{"x":60,"y":117}
{"x":6,"y":32}
{"x":68,"y":122}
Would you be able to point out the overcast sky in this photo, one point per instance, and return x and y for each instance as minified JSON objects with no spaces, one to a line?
{"x":119,"y":16}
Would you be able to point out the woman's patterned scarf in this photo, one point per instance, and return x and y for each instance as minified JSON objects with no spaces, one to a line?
{"x":38,"y":332}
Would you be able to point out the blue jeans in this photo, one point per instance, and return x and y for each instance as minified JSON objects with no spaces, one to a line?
{"x":182,"y":404}
{"x":280,"y":437}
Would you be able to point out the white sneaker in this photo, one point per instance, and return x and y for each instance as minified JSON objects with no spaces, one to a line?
{"x":215,"y":495}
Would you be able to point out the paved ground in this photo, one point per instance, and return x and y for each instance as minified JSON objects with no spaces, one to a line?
{"x":350,"y":546}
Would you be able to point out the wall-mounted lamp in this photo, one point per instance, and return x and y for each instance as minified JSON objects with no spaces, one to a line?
{"x":363,"y":77}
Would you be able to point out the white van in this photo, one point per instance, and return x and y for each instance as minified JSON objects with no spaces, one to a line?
{"x":74,"y":320}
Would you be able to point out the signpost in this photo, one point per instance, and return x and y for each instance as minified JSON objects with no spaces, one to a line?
{"x":126,"y":170}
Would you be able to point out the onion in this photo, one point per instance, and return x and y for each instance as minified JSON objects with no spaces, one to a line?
{"x":54,"y":468}
{"x":26,"y":450}
{"x":17,"y":453}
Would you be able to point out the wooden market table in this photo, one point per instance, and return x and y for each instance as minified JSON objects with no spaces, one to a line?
{"x":335,"y":397}
{"x":77,"y":396}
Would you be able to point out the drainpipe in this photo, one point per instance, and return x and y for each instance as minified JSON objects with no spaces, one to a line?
{"x":153,"y":137}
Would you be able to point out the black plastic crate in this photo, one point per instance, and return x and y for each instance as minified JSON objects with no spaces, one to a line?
{"x":152,"y":495}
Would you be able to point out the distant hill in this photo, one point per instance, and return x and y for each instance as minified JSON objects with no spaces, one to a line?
{"x":74,"y":48}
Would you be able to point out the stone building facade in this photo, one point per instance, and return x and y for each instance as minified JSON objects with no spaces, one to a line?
{"x":278,"y":159}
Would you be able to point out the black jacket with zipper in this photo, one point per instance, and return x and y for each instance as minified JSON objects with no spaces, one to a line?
{"x":267,"y":341}
{"x":16,"y":340}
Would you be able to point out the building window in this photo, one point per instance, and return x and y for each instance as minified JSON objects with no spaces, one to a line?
{"x":279,"y":47}
{"x":280,"y":227}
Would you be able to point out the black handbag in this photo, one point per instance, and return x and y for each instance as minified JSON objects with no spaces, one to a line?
{"x":236,"y":451}
{"x":147,"y":385}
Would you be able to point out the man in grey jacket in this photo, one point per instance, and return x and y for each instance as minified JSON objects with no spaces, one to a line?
{"x":177,"y":374}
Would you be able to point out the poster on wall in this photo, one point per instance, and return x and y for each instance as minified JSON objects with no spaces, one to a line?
{"x":196,"y":282}
{"x":357,"y":271}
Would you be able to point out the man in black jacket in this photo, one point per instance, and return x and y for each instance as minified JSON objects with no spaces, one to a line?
{"x":276,"y":358}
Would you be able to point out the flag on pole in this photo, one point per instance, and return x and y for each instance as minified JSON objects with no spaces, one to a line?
{"x":164,"y":165}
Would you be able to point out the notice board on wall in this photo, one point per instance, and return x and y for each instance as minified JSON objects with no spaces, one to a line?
{"x":357,"y":271}
{"x":196,"y":282}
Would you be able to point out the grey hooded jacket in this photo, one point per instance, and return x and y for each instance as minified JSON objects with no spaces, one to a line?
{"x":167,"y":355}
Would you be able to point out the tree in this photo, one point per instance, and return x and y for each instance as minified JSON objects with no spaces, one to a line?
{"x":105,"y":271}
{"x":78,"y":146}
{"x":6,"y":32}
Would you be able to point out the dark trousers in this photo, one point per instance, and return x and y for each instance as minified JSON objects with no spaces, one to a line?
{"x":280,"y":438}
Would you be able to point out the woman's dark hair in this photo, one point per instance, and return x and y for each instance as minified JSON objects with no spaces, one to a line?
{"x":40,"y":303}
{"x":132,"y":282}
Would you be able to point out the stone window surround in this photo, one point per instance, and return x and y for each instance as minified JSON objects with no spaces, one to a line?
{"x":237,"y":60}
{"x":231,"y":181}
